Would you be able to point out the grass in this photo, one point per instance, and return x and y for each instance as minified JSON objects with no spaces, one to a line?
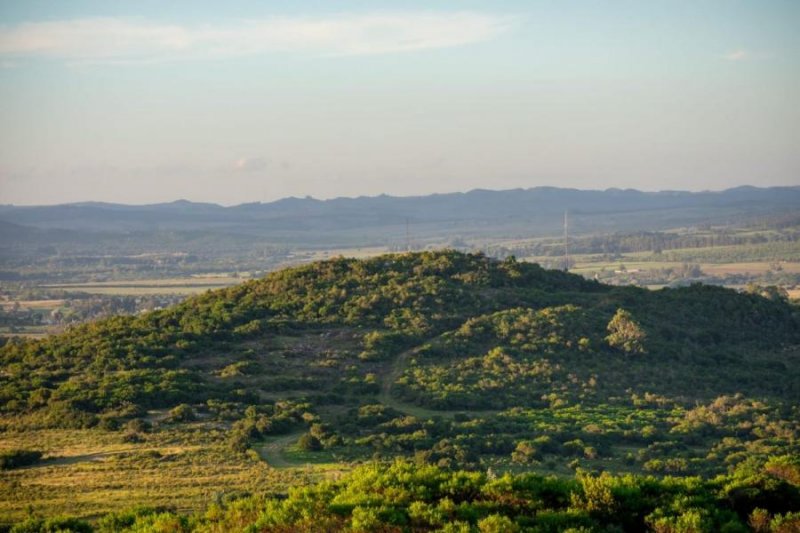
{"x":752,"y":267}
{"x":274,"y":450}
{"x":33,"y":304}
{"x":357,"y":253}
{"x":28,"y":332}
{"x":206,"y":280}
{"x":128,"y":290}
{"x":139,"y":291}
{"x":295,"y":455}
{"x":182,"y":285}
{"x":89,"y":472}
{"x":590,"y":264}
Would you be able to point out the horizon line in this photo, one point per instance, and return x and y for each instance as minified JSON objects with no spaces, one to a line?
{"x":410,"y":196}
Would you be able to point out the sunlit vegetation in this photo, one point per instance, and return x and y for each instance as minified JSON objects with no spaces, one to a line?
{"x":472,"y":366}
{"x":405,"y":496}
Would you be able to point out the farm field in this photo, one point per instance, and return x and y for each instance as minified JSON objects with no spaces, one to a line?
{"x":183,"y":285}
{"x":589,"y":266}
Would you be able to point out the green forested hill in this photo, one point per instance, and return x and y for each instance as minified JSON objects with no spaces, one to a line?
{"x":698,"y":342}
{"x":447,"y":358}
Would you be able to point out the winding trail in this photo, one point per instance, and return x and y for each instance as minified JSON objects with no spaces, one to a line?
{"x":273,"y":451}
{"x":61,"y":460}
{"x":385,"y":397}
{"x":398,"y":365}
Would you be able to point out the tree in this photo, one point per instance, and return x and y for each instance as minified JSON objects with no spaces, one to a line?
{"x":496,"y":523}
{"x":771,"y":292}
{"x":625,"y":333}
{"x":525,"y":453}
{"x":309,"y":443}
{"x":182,"y":413}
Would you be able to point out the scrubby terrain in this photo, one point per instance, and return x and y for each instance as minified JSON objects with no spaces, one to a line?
{"x":472,"y":366}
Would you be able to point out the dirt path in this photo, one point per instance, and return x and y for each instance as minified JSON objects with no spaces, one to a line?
{"x":60,"y":460}
{"x":385,"y":397}
{"x":398,"y":365}
{"x":272,"y":452}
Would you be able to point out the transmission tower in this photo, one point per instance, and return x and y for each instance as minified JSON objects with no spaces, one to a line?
{"x":566,"y":241}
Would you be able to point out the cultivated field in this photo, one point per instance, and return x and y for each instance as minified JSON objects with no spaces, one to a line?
{"x":184,"y":285}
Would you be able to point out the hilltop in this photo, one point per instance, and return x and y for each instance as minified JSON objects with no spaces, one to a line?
{"x":449,"y":305}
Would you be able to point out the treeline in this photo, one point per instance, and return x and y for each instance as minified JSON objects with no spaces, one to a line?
{"x":656,"y":242}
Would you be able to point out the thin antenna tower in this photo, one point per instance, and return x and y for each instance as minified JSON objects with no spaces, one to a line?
{"x":566,"y":241}
{"x":408,"y":237}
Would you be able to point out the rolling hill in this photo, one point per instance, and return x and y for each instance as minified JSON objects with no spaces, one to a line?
{"x":444,"y":358}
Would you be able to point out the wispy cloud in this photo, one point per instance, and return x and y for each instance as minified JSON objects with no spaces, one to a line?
{"x":738,"y":55}
{"x":135,"y":40}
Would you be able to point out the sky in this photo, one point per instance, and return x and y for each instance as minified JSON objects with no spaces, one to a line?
{"x":232,"y":102}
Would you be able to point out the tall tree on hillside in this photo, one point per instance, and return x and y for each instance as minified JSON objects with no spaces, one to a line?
{"x":625,"y":334}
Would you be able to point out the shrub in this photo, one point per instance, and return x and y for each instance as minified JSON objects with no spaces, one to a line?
{"x":309,"y":443}
{"x":17,"y":458}
{"x":182,"y":413}
{"x":52,"y":525}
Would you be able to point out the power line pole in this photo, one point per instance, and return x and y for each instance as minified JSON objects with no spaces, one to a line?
{"x":566,"y":241}
{"x":408,"y":237}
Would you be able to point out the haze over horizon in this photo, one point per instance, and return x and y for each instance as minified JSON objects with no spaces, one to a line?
{"x":246,"y":102}
{"x":396,"y":196}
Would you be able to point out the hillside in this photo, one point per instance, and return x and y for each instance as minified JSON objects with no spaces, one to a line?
{"x":449,"y":358}
{"x":449,"y":304}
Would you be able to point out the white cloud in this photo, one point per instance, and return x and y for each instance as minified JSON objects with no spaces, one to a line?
{"x":250,"y":164}
{"x":134,"y":40}
{"x":737,"y":55}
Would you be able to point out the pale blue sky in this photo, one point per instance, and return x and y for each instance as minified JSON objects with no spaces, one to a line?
{"x":252,"y":101}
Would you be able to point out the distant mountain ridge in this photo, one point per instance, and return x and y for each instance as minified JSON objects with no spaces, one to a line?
{"x":371,"y":220}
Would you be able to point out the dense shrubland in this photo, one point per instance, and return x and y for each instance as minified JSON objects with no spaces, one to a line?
{"x":151,"y":360}
{"x":147,"y":360}
{"x":458,"y":361}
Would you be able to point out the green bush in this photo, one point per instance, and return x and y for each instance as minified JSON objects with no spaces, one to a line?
{"x":17,"y":458}
{"x":182,"y":413}
{"x":309,"y":443}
